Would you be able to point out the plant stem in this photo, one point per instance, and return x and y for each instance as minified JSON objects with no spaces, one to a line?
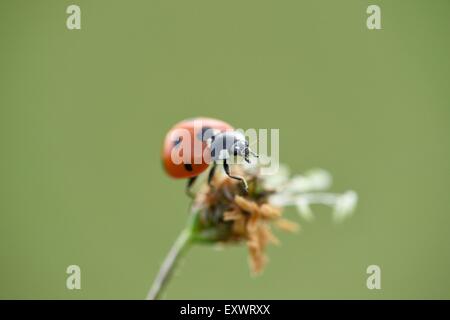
{"x":165,"y":272}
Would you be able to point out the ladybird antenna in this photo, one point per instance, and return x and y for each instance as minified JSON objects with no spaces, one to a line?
{"x":250,"y":151}
{"x":253,"y":153}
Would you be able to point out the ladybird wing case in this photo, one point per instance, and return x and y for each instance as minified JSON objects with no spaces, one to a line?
{"x":198,"y":160}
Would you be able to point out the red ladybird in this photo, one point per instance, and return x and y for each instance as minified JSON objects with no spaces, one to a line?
{"x":193,"y":144}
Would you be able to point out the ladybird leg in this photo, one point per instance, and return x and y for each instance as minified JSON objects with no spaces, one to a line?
{"x":211,"y":174}
{"x":226,"y":167}
{"x":189,"y":186}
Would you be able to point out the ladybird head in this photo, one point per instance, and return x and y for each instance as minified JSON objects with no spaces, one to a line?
{"x":240,"y":147}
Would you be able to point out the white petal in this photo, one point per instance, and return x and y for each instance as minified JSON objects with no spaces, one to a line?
{"x":345,"y":205}
{"x":280,"y":200}
{"x":314,"y":180}
{"x":303,"y":209}
{"x":319,"y":179}
{"x":277,"y":180}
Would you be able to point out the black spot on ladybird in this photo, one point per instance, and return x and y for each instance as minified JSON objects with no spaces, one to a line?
{"x":207,"y":133}
{"x":177,"y":141}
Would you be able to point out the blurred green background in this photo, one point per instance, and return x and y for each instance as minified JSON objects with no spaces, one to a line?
{"x":83,"y":115}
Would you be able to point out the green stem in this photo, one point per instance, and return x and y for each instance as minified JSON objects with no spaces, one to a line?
{"x":165,"y":272}
{"x":190,"y":234}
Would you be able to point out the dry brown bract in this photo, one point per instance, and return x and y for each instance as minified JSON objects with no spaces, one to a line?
{"x":234,"y":217}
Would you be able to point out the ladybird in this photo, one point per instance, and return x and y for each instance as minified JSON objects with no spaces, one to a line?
{"x":194,"y":145}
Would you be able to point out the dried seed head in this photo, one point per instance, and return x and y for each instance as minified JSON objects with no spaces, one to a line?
{"x":233,"y":215}
{"x":230,"y":217}
{"x":246,"y":205}
{"x":269,"y":212}
{"x":287,"y":225}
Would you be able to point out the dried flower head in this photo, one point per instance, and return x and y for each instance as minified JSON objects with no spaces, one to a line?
{"x":228,"y":216}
